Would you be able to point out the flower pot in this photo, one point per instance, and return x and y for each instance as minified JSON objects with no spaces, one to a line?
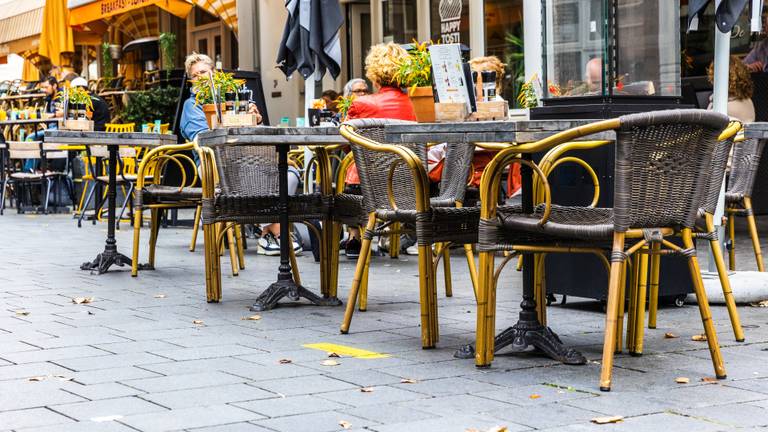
{"x":423,"y":102}
{"x":210,"y":113}
{"x":115,"y":51}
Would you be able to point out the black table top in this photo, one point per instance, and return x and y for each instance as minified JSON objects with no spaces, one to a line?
{"x":756,"y":130}
{"x":59,"y":136}
{"x":27,"y":121}
{"x":271,"y":135}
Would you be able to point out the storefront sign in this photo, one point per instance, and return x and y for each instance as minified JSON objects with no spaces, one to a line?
{"x":91,"y":11}
{"x":450,"y":21}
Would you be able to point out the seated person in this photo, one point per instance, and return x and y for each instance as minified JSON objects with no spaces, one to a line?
{"x":100,"y":114}
{"x":757,"y":59}
{"x":740,"y":89}
{"x":593,"y":79}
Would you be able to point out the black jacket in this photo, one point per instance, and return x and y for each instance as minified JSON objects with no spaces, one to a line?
{"x":101,"y":114}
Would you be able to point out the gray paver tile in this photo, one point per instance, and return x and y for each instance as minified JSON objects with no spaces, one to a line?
{"x":110,"y":361}
{"x":189,"y":418}
{"x":31,"y":418}
{"x":377,"y":396}
{"x":54,"y":354}
{"x":535,"y":395}
{"x":106,"y":408}
{"x":234,"y":427}
{"x":179,"y":382}
{"x":218,"y":395}
{"x":734,"y":415}
{"x":103,"y":391}
{"x":112,"y":375}
{"x":138,"y":346}
{"x":449,"y":386}
{"x":450,"y":423}
{"x":317,"y":422}
{"x":385,"y":414}
{"x":106,"y":426}
{"x":205,"y":352}
{"x":544,"y":416}
{"x":16,"y":395}
{"x":293,"y":405}
{"x":305,"y":385}
{"x":29,"y":370}
{"x":450,"y":405}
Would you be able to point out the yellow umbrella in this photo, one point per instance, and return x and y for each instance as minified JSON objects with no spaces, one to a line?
{"x":56,"y":37}
{"x":29,"y":71}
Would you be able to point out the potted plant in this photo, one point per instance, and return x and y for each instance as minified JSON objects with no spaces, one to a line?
{"x":343,"y":104}
{"x":78,"y":102}
{"x":415,"y":74}
{"x":220,"y":83}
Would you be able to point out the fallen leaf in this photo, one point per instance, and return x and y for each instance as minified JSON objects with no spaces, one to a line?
{"x":82,"y":300}
{"x":333,"y":355}
{"x":285,"y":361}
{"x":762,"y":303}
{"x":37,"y":378}
{"x":682,"y":380}
{"x":91,"y":313}
{"x":160,"y":296}
{"x":367,"y":389}
{"x":498,"y":429}
{"x":408,"y":381}
{"x":699,"y":338}
{"x":251,"y":318}
{"x":607,"y":420}
{"x":22,"y":312}
{"x":330,"y":363}
{"x":709,"y":380}
{"x":534,"y":396}
{"x":198,"y":322}
{"x":670,"y":336}
{"x":345,"y":424}
{"x":63,"y":378}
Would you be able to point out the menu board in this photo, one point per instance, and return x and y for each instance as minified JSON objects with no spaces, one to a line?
{"x":448,"y":74}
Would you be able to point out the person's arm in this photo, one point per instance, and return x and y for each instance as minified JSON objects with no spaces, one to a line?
{"x":192,"y":120}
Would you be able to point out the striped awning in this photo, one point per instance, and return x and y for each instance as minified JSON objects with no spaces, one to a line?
{"x":138,"y":23}
{"x":226,"y":10}
{"x":20,"y":25}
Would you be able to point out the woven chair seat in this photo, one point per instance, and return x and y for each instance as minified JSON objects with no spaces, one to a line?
{"x":264,"y":209}
{"x":124,"y":179}
{"x":564,"y":221}
{"x":348,"y":209}
{"x":733,"y":198}
{"x":156,"y":194}
{"x":443,"y":224}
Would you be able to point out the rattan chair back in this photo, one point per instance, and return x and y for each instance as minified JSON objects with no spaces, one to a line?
{"x":662,"y":163}
{"x":717,"y":174}
{"x":744,"y":166}
{"x":456,"y":172}
{"x":247,"y":170}
{"x":374,"y":170}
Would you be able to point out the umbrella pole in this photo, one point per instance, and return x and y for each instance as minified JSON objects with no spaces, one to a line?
{"x":720,"y":104}
{"x":309,"y":95}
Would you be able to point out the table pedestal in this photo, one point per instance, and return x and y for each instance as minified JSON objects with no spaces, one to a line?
{"x":285,"y":285}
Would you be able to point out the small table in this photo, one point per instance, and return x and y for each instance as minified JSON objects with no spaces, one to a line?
{"x":283,"y":138}
{"x":113,"y":141}
{"x":528,"y":332}
{"x":26,"y":122}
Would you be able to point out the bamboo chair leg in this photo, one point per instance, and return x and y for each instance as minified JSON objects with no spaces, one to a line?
{"x":701,"y":299}
{"x":136,"y":235}
{"x":611,"y":312}
{"x":622,"y":303}
{"x":333,"y":257}
{"x":653,"y":296}
{"x":732,"y":238}
{"x":472,"y":267}
{"x":486,"y":309}
{"x":294,"y":266}
{"x":233,"y":251}
{"x":730,"y":302}
{"x":213,"y":263}
{"x":446,"y":251}
{"x":642,"y":291}
{"x":428,"y":297}
{"x":240,"y":246}
{"x":195,"y":228}
{"x":632,"y":307}
{"x":154,"y":227}
{"x":365,"y":249}
{"x":394,"y":241}
{"x":219,"y":227}
{"x":363,"y":301}
{"x":753,"y":234}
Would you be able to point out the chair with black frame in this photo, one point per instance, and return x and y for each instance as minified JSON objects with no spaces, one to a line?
{"x":45,"y":178}
{"x":662,"y":168}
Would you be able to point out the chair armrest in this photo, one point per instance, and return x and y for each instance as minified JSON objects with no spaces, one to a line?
{"x":554,"y":158}
{"x":153,"y":161}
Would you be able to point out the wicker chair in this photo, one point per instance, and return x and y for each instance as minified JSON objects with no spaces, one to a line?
{"x":738,"y":198}
{"x":662,"y":164}
{"x":240,"y":186}
{"x":395,"y":189}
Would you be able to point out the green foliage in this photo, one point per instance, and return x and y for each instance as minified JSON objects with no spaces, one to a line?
{"x":222,"y":81}
{"x":416,"y":70}
{"x":515,"y":61}
{"x":147,"y":106}
{"x":168,"y":50}
{"x":343,"y":104}
{"x":106,"y":61}
{"x":77,"y":96}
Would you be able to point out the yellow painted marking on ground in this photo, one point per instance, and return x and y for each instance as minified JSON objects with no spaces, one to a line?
{"x":346,"y":351}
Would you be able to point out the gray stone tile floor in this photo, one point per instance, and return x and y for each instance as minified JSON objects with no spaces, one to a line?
{"x":135,"y":361}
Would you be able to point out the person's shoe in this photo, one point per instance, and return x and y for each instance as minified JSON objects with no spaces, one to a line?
{"x":412,"y":250}
{"x":297,"y":248}
{"x":384,"y":243}
{"x":268,"y":245}
{"x":352,"y":251}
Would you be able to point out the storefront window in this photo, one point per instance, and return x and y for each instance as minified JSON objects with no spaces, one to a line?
{"x":504,"y":39}
{"x":450,"y":21}
{"x":399,"y":20}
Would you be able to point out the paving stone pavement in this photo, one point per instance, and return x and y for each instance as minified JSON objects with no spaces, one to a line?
{"x":135,"y":360}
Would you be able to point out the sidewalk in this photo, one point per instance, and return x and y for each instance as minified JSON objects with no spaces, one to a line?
{"x":149,"y":354}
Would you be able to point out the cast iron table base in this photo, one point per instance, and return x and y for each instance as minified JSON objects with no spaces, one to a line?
{"x":105,"y":260}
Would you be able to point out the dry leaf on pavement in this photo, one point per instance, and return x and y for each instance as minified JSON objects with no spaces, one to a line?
{"x":63,"y":378}
{"x":330,"y":363}
{"x":82,"y":300}
{"x":198,"y":322}
{"x":408,"y":381}
{"x":670,"y":336}
{"x":607,"y":420}
{"x":285,"y":361}
{"x":534,"y":396}
{"x":682,"y":380}
{"x":333,"y":355}
{"x":22,"y":312}
{"x":762,"y":303}
{"x":699,"y":338}
{"x":160,"y":296}
{"x":36,"y":378}
{"x":367,"y":389}
{"x":251,"y":318}
{"x":709,"y":380}
{"x":345,"y":424}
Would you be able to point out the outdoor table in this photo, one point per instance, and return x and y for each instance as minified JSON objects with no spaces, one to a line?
{"x":528,"y":332}
{"x":25,"y":122}
{"x":113,"y":141}
{"x":283,"y":138}
{"x":758,"y":130}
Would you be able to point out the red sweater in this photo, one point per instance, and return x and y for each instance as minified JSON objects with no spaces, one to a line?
{"x":388,"y":103}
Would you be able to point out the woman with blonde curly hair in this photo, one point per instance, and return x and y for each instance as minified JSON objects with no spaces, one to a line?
{"x":740,"y":88}
{"x":388,"y":102}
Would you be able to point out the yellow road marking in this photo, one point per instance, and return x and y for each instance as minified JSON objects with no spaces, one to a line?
{"x":346,"y":351}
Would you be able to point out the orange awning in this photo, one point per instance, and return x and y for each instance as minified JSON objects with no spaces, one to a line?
{"x":226,"y":10}
{"x":56,"y":36}
{"x":30,"y":72}
{"x":101,"y":9}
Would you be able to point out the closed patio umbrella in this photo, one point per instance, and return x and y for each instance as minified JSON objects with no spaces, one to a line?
{"x":56,"y":37}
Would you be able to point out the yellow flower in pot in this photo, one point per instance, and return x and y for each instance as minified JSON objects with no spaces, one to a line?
{"x":415,"y":73}
{"x":203,"y":88}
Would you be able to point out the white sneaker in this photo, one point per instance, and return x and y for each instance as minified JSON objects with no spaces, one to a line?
{"x":412,"y":250}
{"x":268,"y":245}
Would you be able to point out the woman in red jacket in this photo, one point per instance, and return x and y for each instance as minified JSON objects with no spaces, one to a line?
{"x":389,"y":102}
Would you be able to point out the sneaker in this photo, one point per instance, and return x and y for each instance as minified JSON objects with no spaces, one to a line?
{"x":268,"y":245}
{"x":412,"y":250}
{"x":352,"y":251}
{"x":384,"y":243}
{"x":297,"y":248}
